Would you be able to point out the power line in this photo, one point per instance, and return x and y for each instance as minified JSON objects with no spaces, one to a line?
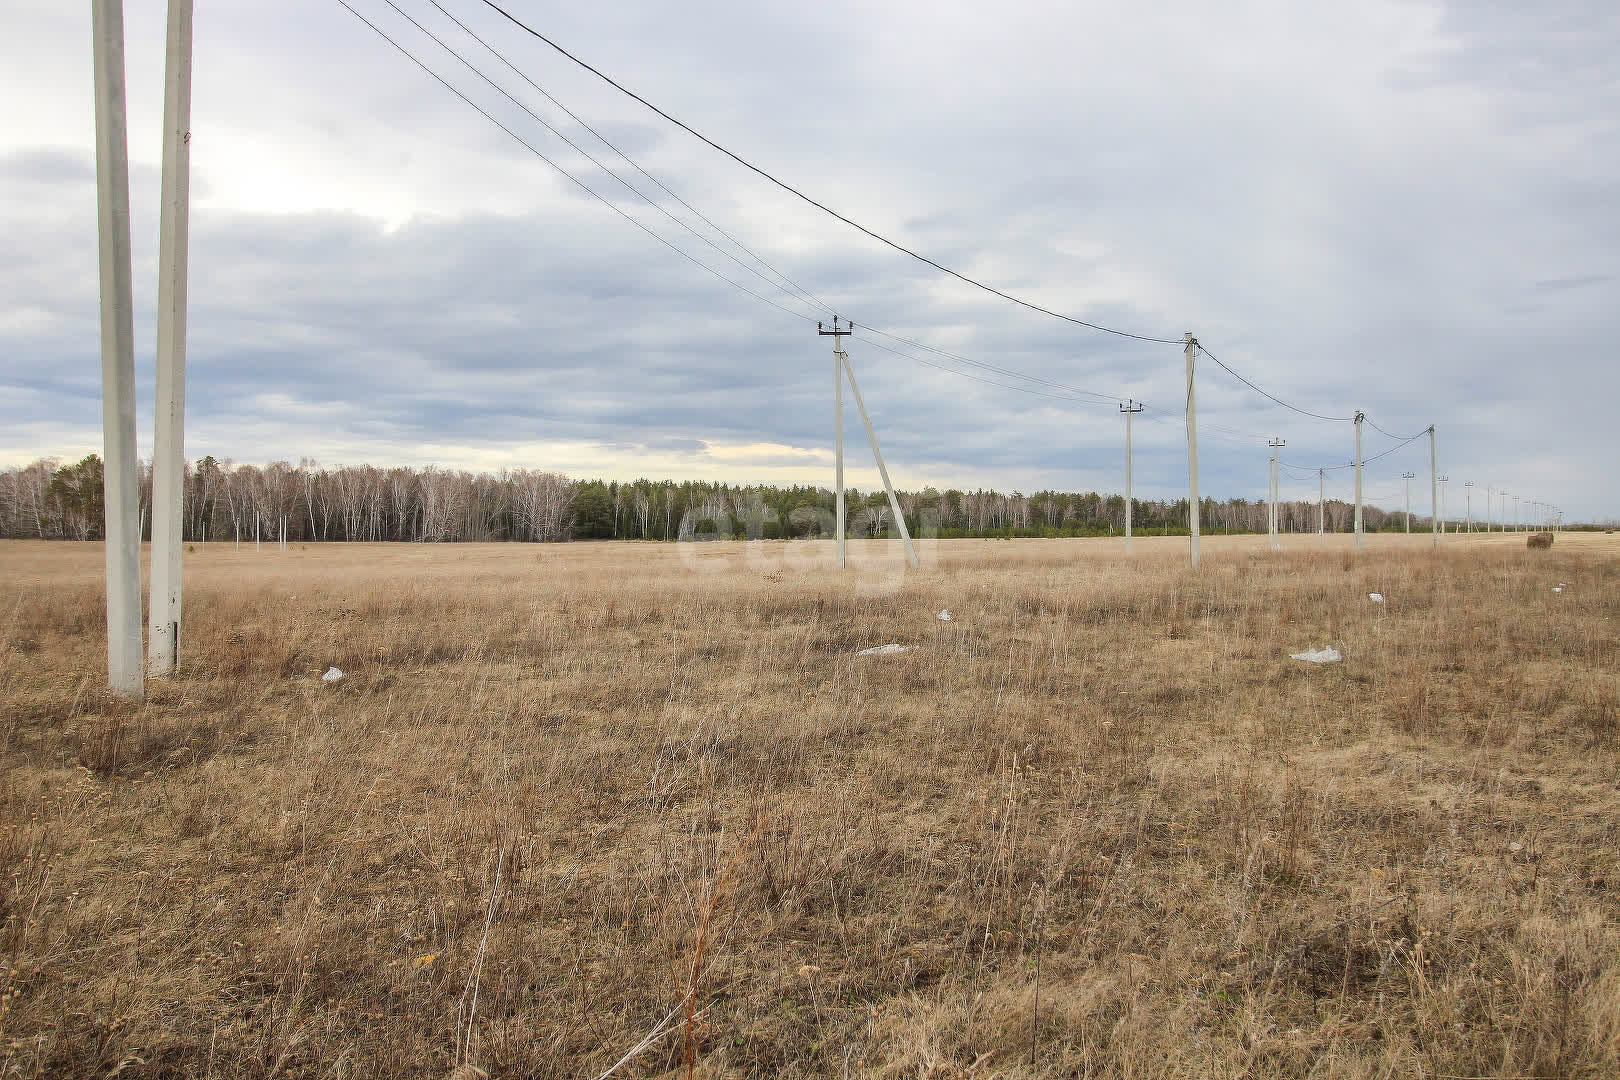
{"x":820,"y":206}
{"x":1366,"y":460}
{"x":1389,"y":435}
{"x":568,"y":175}
{"x":470,"y":66}
{"x":977,"y":378}
{"x":1008,"y":372}
{"x":1267,"y":394}
{"x":801,"y":294}
{"x":792,"y":285}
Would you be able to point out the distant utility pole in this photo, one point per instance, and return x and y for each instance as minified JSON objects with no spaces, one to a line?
{"x":1360,"y":416}
{"x":1444,"y":480}
{"x":838,"y":430}
{"x":1192,"y":454}
{"x":169,"y":433}
{"x":1434,"y":490}
{"x":1468,"y":489}
{"x":1130,"y":408}
{"x":121,"y":485}
{"x":1275,"y":443}
{"x":1321,"y":501}
{"x":1408,"y":477}
{"x":1517,"y":523}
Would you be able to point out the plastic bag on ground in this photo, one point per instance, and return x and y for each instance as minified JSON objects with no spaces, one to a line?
{"x":885,"y":650}
{"x":332,"y":675}
{"x":1376,"y":597}
{"x":1327,"y":654}
{"x":945,"y":615}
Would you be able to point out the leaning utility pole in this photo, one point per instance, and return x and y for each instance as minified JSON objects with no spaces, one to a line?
{"x":169,"y":433}
{"x":883,"y":470}
{"x":1274,"y":443}
{"x":1360,"y":416}
{"x":1468,"y":497}
{"x":1434,"y":490}
{"x":1408,"y":477}
{"x":1130,"y":408}
{"x":838,"y":431}
{"x":1192,"y":454}
{"x":121,"y":485}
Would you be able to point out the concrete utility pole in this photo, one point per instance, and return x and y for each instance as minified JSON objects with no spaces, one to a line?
{"x":169,"y":433}
{"x":1192,"y":454}
{"x":1407,"y":476}
{"x":883,"y":470}
{"x":121,"y":485}
{"x":1517,"y":526}
{"x":1130,"y":408}
{"x":1468,"y":498}
{"x":1274,"y":443}
{"x":1444,"y":480}
{"x":1321,"y":501}
{"x":838,"y":431}
{"x":1434,"y":490}
{"x":1360,"y":416}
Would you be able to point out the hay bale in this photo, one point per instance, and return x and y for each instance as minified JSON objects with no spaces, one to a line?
{"x":1539,"y":540}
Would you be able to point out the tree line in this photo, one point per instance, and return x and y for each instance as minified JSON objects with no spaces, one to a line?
{"x":226,"y":501}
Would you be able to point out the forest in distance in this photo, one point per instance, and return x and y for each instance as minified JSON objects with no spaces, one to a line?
{"x":50,"y":499}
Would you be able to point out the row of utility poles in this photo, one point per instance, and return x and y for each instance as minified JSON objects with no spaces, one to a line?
{"x":842,"y":370}
{"x":1191,"y":350}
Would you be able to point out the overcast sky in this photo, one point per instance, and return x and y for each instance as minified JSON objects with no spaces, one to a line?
{"x":1408,"y":208}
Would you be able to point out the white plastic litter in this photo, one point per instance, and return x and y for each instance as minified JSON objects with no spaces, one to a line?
{"x":1325,"y":655}
{"x":945,"y":615}
{"x":1558,"y":588}
{"x":885,"y":650}
{"x":332,"y":675}
{"x":1376,"y":597}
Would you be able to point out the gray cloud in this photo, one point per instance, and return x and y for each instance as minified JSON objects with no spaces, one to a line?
{"x":1401,"y":208}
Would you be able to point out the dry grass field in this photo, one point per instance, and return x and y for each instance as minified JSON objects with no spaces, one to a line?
{"x":593,"y":809}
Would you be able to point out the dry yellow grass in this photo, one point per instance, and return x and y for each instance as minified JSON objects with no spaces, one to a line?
{"x":580,"y":807}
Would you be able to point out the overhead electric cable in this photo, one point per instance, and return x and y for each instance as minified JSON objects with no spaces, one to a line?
{"x":821,"y":206}
{"x":1366,"y":460}
{"x":1008,"y":372}
{"x":470,"y":66}
{"x":790,"y":284}
{"x":1390,"y":435}
{"x":1273,"y":397}
{"x":570,"y":176}
{"x":977,"y":378}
